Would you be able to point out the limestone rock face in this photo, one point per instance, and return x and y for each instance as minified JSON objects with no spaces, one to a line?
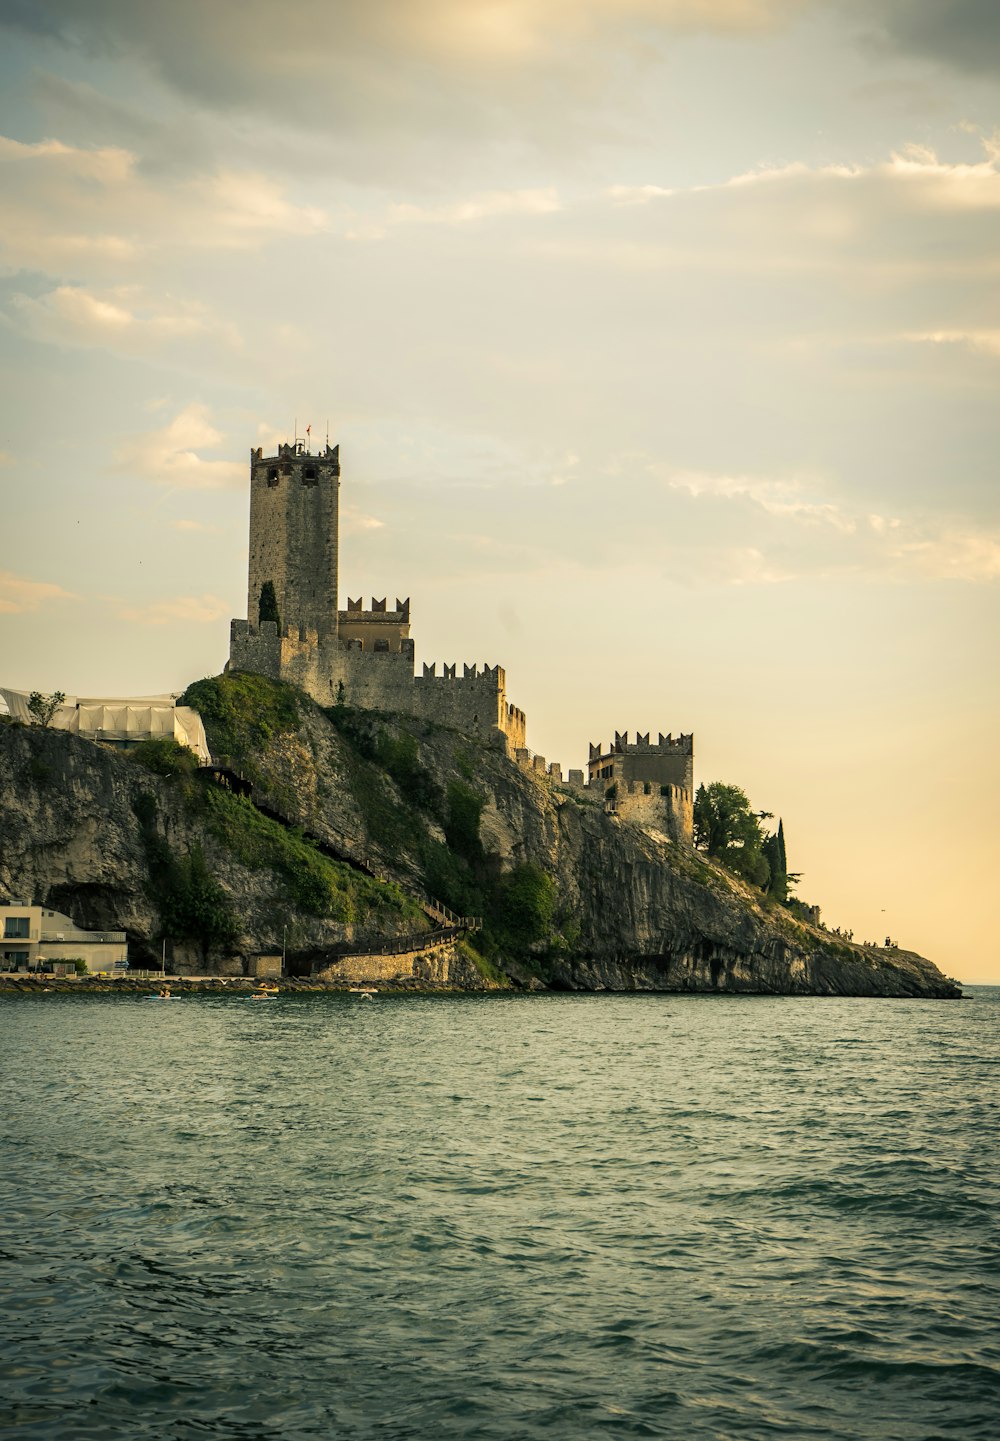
{"x":632,"y":911}
{"x":71,"y":839}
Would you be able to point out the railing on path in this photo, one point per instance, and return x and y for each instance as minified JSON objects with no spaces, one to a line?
{"x":225,"y":772}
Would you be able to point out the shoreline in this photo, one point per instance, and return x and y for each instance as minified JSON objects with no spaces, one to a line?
{"x":209,"y":985}
{"x":245,"y":986}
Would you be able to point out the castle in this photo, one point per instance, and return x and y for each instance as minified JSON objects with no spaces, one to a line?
{"x":295,"y":632}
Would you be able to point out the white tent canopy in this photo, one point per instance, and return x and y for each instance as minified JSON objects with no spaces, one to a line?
{"x":120,"y":720}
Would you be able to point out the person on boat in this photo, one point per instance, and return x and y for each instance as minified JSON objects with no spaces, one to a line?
{"x":164,"y":994}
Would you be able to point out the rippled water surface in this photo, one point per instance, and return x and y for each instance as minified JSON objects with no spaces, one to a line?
{"x":536,"y":1216}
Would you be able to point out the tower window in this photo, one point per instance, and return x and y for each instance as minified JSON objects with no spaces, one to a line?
{"x":272,"y":476}
{"x":381,"y":645}
{"x":309,"y":475}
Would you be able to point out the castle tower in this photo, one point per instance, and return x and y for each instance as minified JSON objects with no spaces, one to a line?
{"x":294,"y":508}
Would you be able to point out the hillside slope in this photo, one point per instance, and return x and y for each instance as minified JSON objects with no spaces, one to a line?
{"x":570,"y":897}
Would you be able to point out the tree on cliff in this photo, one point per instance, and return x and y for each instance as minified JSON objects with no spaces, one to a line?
{"x":774,"y":853}
{"x":44,"y":707}
{"x":726,"y":827}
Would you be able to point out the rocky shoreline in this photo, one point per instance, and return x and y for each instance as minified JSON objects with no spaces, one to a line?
{"x":614,"y":906}
{"x":210,"y":985}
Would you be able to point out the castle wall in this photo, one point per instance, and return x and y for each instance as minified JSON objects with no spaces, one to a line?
{"x":255,"y":648}
{"x":669,"y":809}
{"x":475,"y":701}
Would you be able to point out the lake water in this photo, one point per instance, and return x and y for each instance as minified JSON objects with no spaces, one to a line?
{"x":500,"y":1217}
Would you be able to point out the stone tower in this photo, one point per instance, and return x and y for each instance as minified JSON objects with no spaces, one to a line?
{"x":294,"y":505}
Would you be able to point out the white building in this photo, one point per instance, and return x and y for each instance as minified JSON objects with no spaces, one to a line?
{"x":121,"y":722}
{"x":30,"y":936}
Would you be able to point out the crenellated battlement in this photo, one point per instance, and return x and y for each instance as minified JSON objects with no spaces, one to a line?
{"x":666,"y":745}
{"x":297,"y":451}
{"x":490,"y":675}
{"x":668,"y":761}
{"x":379,"y":611}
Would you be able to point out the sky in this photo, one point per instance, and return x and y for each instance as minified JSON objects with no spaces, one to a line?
{"x":661,"y":339}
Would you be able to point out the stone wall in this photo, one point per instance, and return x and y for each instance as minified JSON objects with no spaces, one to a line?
{"x":668,"y":809}
{"x":442,"y":965}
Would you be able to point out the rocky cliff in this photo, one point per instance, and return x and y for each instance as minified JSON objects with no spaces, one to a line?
{"x":570,"y":896}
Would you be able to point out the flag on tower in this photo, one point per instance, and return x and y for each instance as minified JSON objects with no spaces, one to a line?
{"x":308,"y":430}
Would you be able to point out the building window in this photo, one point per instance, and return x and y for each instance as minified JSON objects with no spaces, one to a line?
{"x":15,"y":928}
{"x":381,"y":645}
{"x":19,"y":958}
{"x":272,"y":476}
{"x":309,"y":475}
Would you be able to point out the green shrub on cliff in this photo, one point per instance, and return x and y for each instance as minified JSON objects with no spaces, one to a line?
{"x":727,"y":828}
{"x":522,"y":907}
{"x":194,"y":906}
{"x":241,"y":713}
{"x":463,"y":810}
{"x":315,"y":883}
{"x":164,"y":757}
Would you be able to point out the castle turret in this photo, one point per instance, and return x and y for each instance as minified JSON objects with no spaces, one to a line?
{"x":294,"y":504}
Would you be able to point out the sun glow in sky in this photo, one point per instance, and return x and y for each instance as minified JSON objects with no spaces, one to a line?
{"x":661,"y":339}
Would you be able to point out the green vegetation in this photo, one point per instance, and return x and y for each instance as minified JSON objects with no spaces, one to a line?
{"x":777,"y":864}
{"x":315,"y":883}
{"x":44,"y":707}
{"x":485,"y":967}
{"x":518,"y":907}
{"x":727,"y":828}
{"x":193,"y":906}
{"x":241,"y":713}
{"x":164,"y":757}
{"x":522,"y":907}
{"x":398,"y":756}
{"x":463,"y":809}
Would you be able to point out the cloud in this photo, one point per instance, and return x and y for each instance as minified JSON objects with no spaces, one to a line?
{"x":354,"y":521}
{"x":983,"y":342}
{"x":18,"y":594}
{"x":71,"y":208}
{"x":479,"y":207}
{"x":187,"y":609}
{"x":949,"y":555}
{"x":169,"y":455}
{"x":964,"y":34}
{"x":123,"y":319}
{"x":462,"y":71}
{"x":864,"y":543}
{"x":785,"y":497}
